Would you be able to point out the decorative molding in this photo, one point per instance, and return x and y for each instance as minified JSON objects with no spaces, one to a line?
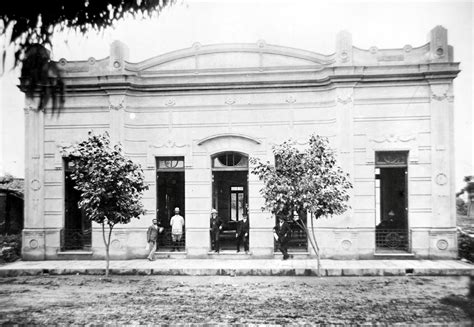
{"x":346,"y":244}
{"x":440,"y":92}
{"x":373,"y":50}
{"x":63,"y":150}
{"x":392,"y":142}
{"x":168,"y":148}
{"x":230,"y":101}
{"x":225,"y":135}
{"x":115,"y":244}
{"x":441,"y":179}
{"x":33,"y":243}
{"x":439,"y":97}
{"x":290,"y":99}
{"x":344,"y":100}
{"x":170,"y":102}
{"x":344,"y":56}
{"x":31,"y":104}
{"x":196,"y":46}
{"x":260,"y":46}
{"x":116,"y":102}
{"x":168,"y":144}
{"x":392,"y":138}
{"x":35,"y":185}
{"x":442,"y":244}
{"x":344,"y":95}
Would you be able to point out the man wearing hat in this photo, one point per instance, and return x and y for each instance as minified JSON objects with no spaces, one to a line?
{"x":242,"y":233}
{"x":216,"y":227}
{"x":177,"y":226}
{"x":281,"y":232}
{"x":152,"y":238}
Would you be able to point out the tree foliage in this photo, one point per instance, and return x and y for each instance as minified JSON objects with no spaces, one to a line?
{"x":111,"y":185}
{"x":308,"y":180}
{"x":304,"y":181}
{"x":36,"y":21}
{"x":41,"y":75}
{"x":30,"y":28}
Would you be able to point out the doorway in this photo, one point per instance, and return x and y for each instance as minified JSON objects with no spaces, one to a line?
{"x":391,"y":197}
{"x":230,"y":194}
{"x":169,"y":195}
{"x":77,"y":232}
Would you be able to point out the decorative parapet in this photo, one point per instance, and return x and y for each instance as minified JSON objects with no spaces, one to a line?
{"x":262,"y":64}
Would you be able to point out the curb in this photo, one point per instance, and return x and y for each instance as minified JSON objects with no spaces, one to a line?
{"x":328,"y":272}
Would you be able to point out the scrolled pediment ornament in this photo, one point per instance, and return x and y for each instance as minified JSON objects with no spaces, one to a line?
{"x":168,"y":144}
{"x":392,"y":138}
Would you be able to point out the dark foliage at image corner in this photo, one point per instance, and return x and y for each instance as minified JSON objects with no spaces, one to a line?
{"x":36,"y":22}
{"x":30,"y":29}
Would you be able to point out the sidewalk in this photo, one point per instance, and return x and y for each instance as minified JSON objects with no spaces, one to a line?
{"x":255,"y":267}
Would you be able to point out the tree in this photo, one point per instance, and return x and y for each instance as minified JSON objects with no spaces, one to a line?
{"x":35,"y":22}
{"x":111,"y":185}
{"x":304,"y":181}
{"x":30,"y":26}
{"x":469,"y":189}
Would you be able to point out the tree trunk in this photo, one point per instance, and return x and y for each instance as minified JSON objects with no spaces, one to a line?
{"x":107,"y":246}
{"x":313,"y":245}
{"x":317,"y":247}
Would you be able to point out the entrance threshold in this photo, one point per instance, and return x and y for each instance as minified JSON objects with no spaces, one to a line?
{"x":229,"y":254}
{"x":393,"y":255}
{"x":170,"y":254}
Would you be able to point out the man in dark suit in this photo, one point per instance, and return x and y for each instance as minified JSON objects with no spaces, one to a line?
{"x":242,"y":234}
{"x":281,"y":233}
{"x":216,"y":227}
{"x":152,"y":238}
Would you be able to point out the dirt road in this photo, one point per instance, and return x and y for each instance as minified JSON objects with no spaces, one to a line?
{"x":222,"y":299}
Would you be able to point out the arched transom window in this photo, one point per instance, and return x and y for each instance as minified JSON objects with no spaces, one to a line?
{"x":230,"y":161}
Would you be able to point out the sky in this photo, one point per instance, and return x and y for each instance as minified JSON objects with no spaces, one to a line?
{"x":308,"y":25}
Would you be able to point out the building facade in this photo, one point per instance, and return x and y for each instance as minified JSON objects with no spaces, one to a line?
{"x":192,"y":118}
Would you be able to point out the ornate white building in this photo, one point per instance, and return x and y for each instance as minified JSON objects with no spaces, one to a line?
{"x":193,"y":117}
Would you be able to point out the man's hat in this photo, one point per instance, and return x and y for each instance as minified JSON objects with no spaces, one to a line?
{"x":176,"y":209}
{"x":213,"y":211}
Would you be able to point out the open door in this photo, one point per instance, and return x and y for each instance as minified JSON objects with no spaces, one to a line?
{"x":169,"y":195}
{"x":230,"y":194}
{"x":391,"y":187}
{"x":77,"y":231}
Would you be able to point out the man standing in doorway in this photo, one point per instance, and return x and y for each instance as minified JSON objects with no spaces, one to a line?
{"x":242,"y":234}
{"x":177,"y":226}
{"x":216,"y":227}
{"x":281,"y":233}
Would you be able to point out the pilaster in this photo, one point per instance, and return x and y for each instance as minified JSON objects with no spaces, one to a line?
{"x":442,"y":154}
{"x":345,"y":136}
{"x":117,"y":105}
{"x":33,"y":232}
